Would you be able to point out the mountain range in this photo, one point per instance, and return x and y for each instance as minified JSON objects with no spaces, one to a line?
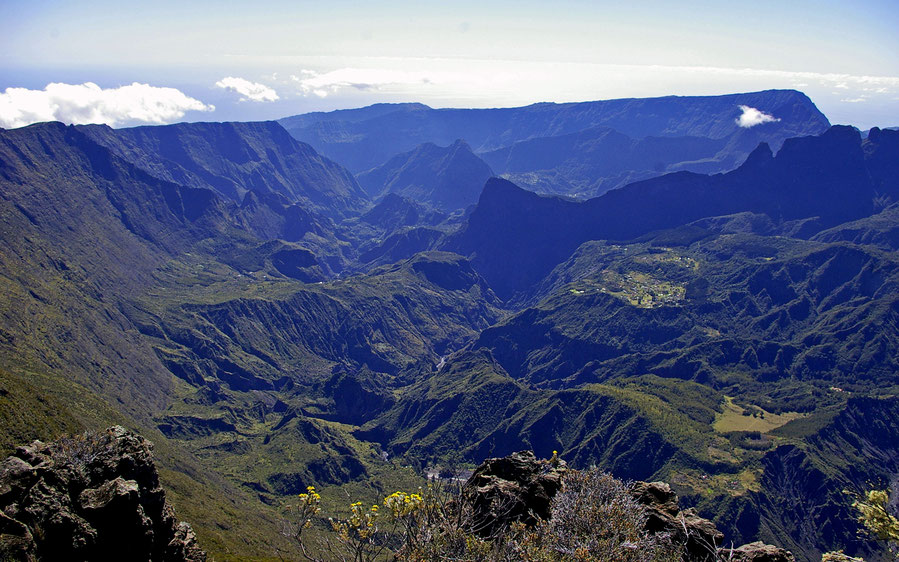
{"x":574,"y":149}
{"x":272,"y":321}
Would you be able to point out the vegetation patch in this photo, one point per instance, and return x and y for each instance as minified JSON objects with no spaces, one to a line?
{"x":636,"y":288}
{"x":752,"y":418}
{"x":715,"y":485}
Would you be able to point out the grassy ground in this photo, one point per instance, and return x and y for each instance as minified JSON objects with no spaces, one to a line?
{"x":735,"y":418}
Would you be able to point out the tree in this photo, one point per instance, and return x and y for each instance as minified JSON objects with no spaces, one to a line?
{"x":874,"y":514}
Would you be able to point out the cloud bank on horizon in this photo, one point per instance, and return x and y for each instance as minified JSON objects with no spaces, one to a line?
{"x":81,"y":104}
{"x":249,"y":91}
{"x":436,"y":82}
{"x":415,"y":75}
{"x":863,"y":100}
{"x":363,"y":79}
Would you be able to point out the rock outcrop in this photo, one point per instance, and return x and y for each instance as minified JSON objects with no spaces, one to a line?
{"x":699,"y":536}
{"x":91,"y":497}
{"x":757,"y":552}
{"x":518,"y":487}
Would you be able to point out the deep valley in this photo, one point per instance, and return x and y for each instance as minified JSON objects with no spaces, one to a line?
{"x":641,"y":285}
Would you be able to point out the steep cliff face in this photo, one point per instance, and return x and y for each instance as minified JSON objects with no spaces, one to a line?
{"x":81,"y":228}
{"x":858,"y":449}
{"x":89,"y":497}
{"x":590,"y":162}
{"x":881,"y":230}
{"x":234,"y":158}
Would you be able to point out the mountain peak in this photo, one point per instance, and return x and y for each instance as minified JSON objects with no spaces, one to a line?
{"x":758,"y":157}
{"x":500,"y":192}
{"x":446,"y":177}
{"x":839,"y":141}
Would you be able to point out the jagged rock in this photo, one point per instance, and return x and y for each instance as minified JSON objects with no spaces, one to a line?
{"x":759,"y":552}
{"x":116,"y":492}
{"x":90,"y":497}
{"x":660,"y":500}
{"x":183,"y":545}
{"x":15,"y":474}
{"x":518,"y":487}
{"x":700,"y":536}
{"x":16,"y":541}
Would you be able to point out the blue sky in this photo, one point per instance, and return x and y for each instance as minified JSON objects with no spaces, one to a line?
{"x":140,"y":62}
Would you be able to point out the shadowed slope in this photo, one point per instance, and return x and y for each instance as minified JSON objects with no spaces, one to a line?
{"x":234,"y":158}
{"x":824,"y":177}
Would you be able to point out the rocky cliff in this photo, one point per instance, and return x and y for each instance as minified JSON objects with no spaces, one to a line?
{"x":91,"y":497}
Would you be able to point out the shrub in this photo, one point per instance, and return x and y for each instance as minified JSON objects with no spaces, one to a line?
{"x":593,"y":518}
{"x":874,"y":514}
{"x":430,"y":524}
{"x":80,"y":450}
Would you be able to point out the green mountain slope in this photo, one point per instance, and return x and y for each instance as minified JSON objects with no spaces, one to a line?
{"x":738,"y":339}
{"x":85,"y":234}
{"x":704,"y":364}
{"x":776,"y":307}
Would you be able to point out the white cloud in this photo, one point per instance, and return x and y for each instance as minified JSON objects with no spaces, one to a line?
{"x":853,"y":100}
{"x":253,"y":91}
{"x":752,"y":117}
{"x":321,"y":85}
{"x":835,"y":79}
{"x":89,"y":103}
{"x":488,"y":83}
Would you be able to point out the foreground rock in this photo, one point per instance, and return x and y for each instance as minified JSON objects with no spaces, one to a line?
{"x":757,"y":552}
{"x":518,"y":487}
{"x":699,"y":536}
{"x":521,"y":487}
{"x":90,"y":497}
